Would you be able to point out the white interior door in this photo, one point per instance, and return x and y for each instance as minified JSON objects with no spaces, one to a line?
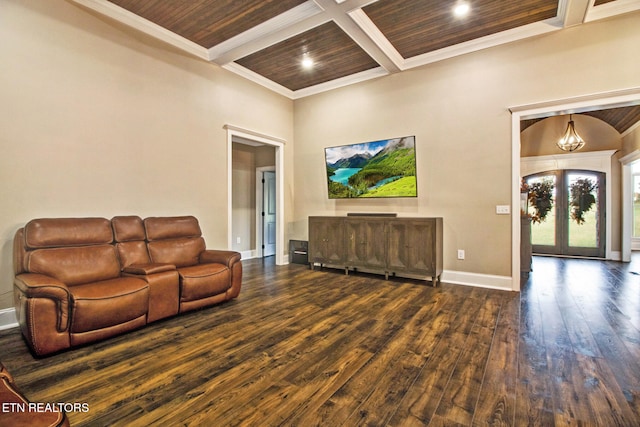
{"x":269,"y":213}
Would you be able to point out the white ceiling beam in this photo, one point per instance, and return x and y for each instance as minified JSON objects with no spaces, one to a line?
{"x":280,"y":28}
{"x":573,"y":12}
{"x":339,"y":14}
{"x":373,"y":32}
{"x":613,"y":8}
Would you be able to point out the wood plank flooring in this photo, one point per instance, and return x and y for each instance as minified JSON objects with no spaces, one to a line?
{"x":303,"y":348}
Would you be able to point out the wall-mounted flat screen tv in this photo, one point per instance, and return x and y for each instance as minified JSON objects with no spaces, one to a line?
{"x":385,"y":168}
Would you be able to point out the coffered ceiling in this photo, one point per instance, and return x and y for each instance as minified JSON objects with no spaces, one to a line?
{"x":347,"y":40}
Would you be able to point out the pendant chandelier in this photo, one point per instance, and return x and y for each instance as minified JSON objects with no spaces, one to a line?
{"x":571,"y":141}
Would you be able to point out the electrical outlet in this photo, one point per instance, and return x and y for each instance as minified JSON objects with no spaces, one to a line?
{"x":238,"y":240}
{"x":460,"y":253}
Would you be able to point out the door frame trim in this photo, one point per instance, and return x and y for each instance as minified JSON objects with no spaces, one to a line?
{"x":279,"y":144}
{"x":627,"y":204}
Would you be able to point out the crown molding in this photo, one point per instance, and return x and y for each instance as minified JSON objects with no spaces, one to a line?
{"x":145,"y":26}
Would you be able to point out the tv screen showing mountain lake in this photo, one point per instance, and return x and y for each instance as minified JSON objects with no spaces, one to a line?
{"x":385,"y":168}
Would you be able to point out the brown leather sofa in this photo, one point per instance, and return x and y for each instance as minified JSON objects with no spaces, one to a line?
{"x":79,"y":280}
{"x":17,"y":411}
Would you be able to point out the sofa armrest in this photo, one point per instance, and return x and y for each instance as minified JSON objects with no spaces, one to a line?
{"x":146,"y":269}
{"x":43,"y":310}
{"x":30,"y":285}
{"x":232,"y":260}
{"x":41,"y":286}
{"x":227,"y":258}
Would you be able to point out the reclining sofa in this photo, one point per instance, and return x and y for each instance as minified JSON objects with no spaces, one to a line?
{"x":79,"y":280}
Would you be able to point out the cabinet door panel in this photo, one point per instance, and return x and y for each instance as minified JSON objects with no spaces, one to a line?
{"x":366,"y":242}
{"x":410,"y":245}
{"x":421,"y":238}
{"x":326,"y":240}
{"x":398,"y":246}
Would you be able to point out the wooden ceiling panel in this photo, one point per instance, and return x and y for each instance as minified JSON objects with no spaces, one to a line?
{"x":416,"y":27}
{"x":333,"y":52}
{"x":620,"y":118}
{"x":207,"y":22}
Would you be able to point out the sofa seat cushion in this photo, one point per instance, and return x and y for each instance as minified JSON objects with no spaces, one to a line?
{"x":109,"y":302}
{"x":203,"y":280}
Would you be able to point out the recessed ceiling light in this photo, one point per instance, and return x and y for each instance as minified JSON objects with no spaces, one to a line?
{"x":307,"y":62}
{"x":461,"y":9}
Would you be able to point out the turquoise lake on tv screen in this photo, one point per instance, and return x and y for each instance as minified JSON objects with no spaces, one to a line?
{"x":342,"y":175}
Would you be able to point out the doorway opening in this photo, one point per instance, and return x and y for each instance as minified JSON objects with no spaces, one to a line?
{"x":545,"y":109}
{"x":251,"y":138}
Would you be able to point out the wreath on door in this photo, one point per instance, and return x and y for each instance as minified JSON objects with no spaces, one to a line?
{"x":582,"y":198}
{"x":541,"y":199}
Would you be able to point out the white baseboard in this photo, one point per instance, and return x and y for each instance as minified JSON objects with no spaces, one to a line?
{"x":248,"y":254}
{"x":8,"y":318}
{"x":503,"y":283}
{"x":254,"y":254}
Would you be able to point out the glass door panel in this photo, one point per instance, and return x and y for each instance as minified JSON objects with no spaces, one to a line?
{"x":583,"y":210}
{"x":543,"y":233}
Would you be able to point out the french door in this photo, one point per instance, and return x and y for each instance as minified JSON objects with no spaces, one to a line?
{"x":575,"y":225}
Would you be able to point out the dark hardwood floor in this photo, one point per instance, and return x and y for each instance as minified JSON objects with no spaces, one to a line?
{"x":302,"y":347}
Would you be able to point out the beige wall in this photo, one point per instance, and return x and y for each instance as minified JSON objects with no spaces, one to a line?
{"x":98,"y":120}
{"x":458,"y":110}
{"x":631,"y":142}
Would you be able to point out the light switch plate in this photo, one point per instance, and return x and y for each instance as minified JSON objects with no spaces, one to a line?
{"x":503,"y":209}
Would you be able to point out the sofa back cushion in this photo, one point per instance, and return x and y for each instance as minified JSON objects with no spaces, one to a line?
{"x":128,"y":232}
{"x":73,"y":250}
{"x":172,"y":227}
{"x":131,"y":253}
{"x":56,"y":232}
{"x":174,"y":240}
{"x":75,"y":265}
{"x":182,"y":252}
{"x":127,"y":228}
